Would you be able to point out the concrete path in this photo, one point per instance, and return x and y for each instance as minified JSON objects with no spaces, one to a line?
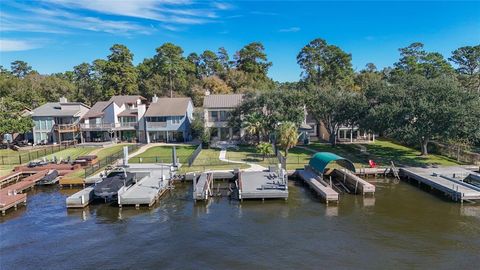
{"x":253,"y":166}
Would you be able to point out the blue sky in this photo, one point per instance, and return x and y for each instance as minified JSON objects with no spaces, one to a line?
{"x":55,"y":35}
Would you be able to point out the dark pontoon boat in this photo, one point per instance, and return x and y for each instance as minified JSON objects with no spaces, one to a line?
{"x":108,"y":188}
{"x":49,"y":179}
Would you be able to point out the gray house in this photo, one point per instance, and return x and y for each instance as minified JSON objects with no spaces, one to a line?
{"x":57,"y":122}
{"x":217,"y":110}
{"x":169,"y":120}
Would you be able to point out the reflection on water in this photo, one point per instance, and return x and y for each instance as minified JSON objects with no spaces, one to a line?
{"x":402,"y":227}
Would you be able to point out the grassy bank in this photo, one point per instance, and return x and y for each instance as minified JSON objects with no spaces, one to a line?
{"x":164,"y":154}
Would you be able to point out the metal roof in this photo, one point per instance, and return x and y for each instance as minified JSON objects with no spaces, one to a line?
{"x":58,"y":109}
{"x":168,"y":107}
{"x":320,"y":160}
{"x":222,"y":101}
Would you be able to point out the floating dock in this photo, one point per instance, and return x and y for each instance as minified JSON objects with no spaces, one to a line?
{"x":262,"y":185}
{"x":449,"y":180}
{"x":81,"y":198}
{"x":318,"y":185}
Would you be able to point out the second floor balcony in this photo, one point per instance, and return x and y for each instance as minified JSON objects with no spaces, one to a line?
{"x":109,"y":126}
{"x":156,"y":125}
{"x":66,"y":127}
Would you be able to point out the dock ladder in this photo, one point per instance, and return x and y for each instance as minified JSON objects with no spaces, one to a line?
{"x":395,"y":171}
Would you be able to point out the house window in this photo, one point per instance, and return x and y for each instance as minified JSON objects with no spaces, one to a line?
{"x":176,"y":119}
{"x":224,"y":115}
{"x":157,"y":119}
{"x":214,"y":116}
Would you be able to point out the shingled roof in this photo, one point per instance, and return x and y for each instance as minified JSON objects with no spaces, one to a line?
{"x":222,"y":101}
{"x":168,"y":107}
{"x":97,"y":109}
{"x":119,"y":100}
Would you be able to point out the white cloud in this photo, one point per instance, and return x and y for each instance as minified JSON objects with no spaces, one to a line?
{"x":171,"y":11}
{"x":290,"y":29}
{"x":13,"y":45}
{"x":124,"y":17}
{"x":222,"y":5}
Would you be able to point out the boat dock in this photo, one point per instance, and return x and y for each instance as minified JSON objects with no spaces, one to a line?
{"x":262,"y":185}
{"x":203,"y":184}
{"x":318,"y":185}
{"x":146,"y":191}
{"x":267,"y":184}
{"x":449,"y":180}
{"x":11,"y":196}
{"x":81,"y":198}
{"x":353,"y":183}
{"x":154,"y":181}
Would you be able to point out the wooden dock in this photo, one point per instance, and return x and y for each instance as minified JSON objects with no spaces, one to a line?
{"x":448,"y":180}
{"x":318,"y":185}
{"x":262,"y":185}
{"x":353,"y":183}
{"x":11,"y":197}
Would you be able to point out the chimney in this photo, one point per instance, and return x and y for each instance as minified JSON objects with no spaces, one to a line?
{"x":63,"y":100}
{"x":154,"y":98}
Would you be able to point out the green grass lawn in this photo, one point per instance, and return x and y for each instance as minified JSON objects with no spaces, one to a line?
{"x":164,"y":154}
{"x":73,"y":153}
{"x":6,"y":169}
{"x":249,"y":154}
{"x":100,"y":155}
{"x":382,"y":152}
{"x":208,"y":160}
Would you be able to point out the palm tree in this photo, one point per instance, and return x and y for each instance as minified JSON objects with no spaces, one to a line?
{"x":288,"y":136}
{"x":265,"y":149}
{"x":253,"y":124}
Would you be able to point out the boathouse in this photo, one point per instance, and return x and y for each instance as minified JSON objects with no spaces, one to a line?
{"x":320,"y":161}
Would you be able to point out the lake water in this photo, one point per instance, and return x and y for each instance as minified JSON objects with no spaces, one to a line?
{"x":402,"y":227}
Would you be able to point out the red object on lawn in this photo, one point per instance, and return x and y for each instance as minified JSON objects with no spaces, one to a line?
{"x":372,"y":164}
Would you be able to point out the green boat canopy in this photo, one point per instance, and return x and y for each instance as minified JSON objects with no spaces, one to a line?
{"x":320,"y":160}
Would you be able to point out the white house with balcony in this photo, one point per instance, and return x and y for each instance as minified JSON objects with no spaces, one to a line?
{"x":169,"y":120}
{"x":119,"y":119}
{"x":217,"y":110}
{"x":57,"y":122}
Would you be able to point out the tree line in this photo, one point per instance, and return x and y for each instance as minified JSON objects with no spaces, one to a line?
{"x":421,"y":97}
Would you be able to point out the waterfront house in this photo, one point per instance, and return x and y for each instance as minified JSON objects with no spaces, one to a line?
{"x":57,"y":122}
{"x":119,"y":119}
{"x":217,"y":110}
{"x":169,"y":120}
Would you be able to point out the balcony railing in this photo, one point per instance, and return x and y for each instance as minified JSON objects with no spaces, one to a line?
{"x":108,"y":126}
{"x":65,"y":127}
{"x":156,"y":124}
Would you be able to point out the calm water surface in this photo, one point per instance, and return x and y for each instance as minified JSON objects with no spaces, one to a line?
{"x":402,"y":227}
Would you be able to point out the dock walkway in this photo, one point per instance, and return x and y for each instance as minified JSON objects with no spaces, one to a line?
{"x":10,"y":196}
{"x":448,"y":180}
{"x":325,"y":191}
